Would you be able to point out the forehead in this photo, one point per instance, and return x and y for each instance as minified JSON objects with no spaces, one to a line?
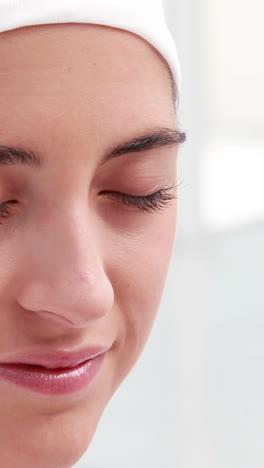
{"x":49,"y":72}
{"x":103,"y":58}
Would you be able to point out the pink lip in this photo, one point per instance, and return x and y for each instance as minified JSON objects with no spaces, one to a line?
{"x":52,"y":359}
{"x":63,"y":372}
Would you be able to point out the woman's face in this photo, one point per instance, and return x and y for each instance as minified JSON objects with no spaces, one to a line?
{"x":79,"y":264}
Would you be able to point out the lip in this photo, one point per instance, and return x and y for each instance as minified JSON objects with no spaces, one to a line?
{"x":56,"y":358}
{"x":54,"y":372}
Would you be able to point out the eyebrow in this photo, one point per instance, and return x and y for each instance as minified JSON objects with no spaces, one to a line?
{"x":12,"y":155}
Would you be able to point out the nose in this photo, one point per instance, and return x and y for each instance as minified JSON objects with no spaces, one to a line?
{"x":64,"y":279}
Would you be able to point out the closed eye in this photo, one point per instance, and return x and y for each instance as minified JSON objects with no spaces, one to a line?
{"x":149,"y":203}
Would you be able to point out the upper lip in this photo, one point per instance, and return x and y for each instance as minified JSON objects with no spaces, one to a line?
{"x":55,"y":358}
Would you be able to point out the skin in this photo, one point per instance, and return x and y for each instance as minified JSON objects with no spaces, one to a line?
{"x":71,"y":92}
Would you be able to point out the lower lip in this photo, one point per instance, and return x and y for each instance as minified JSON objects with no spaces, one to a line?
{"x":52,"y":381}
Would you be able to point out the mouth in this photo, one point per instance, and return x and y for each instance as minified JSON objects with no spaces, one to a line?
{"x":52,"y":380}
{"x":53,"y":371}
{"x":56,"y":358}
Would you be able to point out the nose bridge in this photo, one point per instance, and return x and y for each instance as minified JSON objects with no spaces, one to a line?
{"x":71,"y":244}
{"x":66,"y":278}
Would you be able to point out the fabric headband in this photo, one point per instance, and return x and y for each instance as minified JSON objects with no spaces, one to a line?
{"x":143,"y":17}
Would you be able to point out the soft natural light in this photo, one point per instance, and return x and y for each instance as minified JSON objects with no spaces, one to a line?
{"x":232,"y":185}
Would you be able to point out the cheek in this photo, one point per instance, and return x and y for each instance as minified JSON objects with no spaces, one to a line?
{"x":140,"y":277}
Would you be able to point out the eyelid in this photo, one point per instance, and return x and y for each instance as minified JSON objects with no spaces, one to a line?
{"x":152,"y":202}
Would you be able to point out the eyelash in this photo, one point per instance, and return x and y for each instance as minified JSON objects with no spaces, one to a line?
{"x":148,"y":203}
{"x":6,"y":210}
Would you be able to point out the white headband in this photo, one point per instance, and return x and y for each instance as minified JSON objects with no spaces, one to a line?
{"x":142,"y":17}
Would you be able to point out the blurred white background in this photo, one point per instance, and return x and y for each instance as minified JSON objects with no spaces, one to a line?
{"x":195,"y":397}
